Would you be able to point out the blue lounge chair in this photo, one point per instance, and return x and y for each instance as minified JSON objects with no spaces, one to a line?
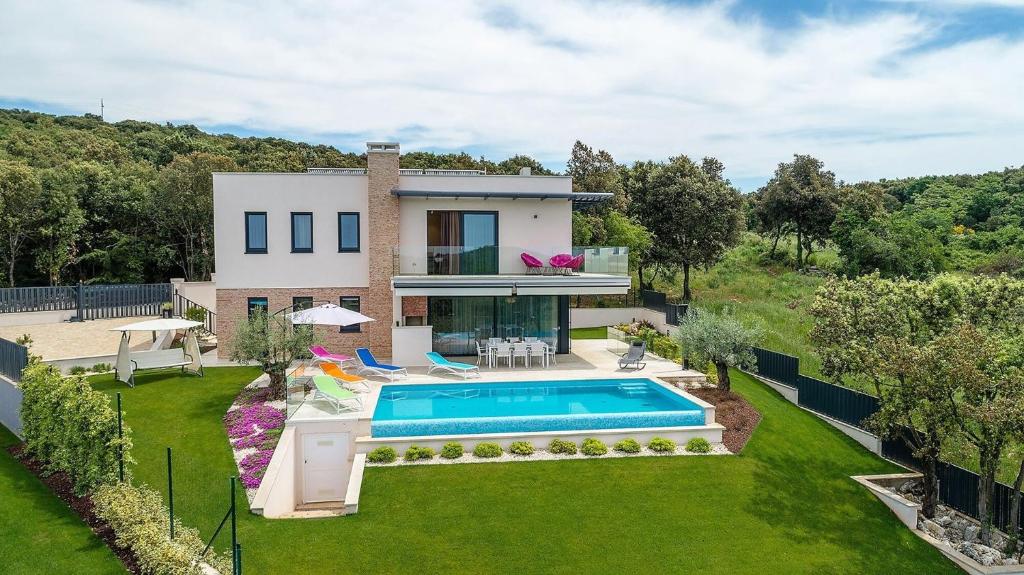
{"x":439,"y":362}
{"x":371,"y":367}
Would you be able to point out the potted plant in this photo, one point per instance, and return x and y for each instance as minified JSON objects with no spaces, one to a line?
{"x":166,"y":309}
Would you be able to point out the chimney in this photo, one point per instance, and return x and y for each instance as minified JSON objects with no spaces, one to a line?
{"x":382,"y":227}
{"x":524,"y":171}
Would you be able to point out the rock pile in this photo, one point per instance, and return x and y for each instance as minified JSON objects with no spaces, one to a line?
{"x":959,"y":531}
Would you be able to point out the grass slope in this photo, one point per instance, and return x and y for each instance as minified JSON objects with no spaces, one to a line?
{"x":40,"y":534}
{"x":786,"y":505}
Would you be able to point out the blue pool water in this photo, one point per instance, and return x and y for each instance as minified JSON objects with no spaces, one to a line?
{"x":455,"y":409}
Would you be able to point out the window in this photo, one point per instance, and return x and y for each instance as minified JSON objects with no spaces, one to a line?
{"x":462,"y":243}
{"x":301,"y":302}
{"x":256,"y":303}
{"x":255,"y":232}
{"x":352,"y":303}
{"x":302,"y":232}
{"x":348,"y":231}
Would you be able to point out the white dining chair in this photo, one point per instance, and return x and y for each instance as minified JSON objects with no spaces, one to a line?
{"x":531,"y":339}
{"x":482,"y":353}
{"x":521,"y":350}
{"x":549,"y":354}
{"x":503,"y":350}
{"x":539,"y":350}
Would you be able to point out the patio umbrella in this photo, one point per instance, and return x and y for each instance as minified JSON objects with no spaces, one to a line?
{"x":328,"y":314}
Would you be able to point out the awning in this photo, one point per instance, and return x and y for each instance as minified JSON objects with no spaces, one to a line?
{"x":581,"y":284}
{"x":158,"y":325}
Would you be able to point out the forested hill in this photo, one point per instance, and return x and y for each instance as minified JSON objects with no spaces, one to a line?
{"x":83,"y":199}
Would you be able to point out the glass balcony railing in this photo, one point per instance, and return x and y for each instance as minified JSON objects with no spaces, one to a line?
{"x":509,"y":260}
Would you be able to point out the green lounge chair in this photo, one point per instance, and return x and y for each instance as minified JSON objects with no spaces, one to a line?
{"x":439,"y":362}
{"x":328,"y":389}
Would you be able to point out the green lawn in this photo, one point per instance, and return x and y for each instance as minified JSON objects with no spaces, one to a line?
{"x":786,"y":505}
{"x":38,"y":532}
{"x":588,"y":333}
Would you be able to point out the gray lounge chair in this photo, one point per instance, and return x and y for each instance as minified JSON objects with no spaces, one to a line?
{"x":635,"y":356}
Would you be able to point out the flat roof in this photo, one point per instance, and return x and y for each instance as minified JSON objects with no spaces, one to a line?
{"x":579,"y":198}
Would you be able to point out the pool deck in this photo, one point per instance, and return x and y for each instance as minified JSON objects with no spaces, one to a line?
{"x":590,"y":359}
{"x":87,"y":339}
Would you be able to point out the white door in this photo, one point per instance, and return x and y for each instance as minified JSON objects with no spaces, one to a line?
{"x":324,"y":467}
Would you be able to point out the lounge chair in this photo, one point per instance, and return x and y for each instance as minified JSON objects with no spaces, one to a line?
{"x":320,"y":354}
{"x":439,"y":362}
{"x":344,"y":377}
{"x":371,"y":366}
{"x":327,"y":388}
{"x":533,"y":265}
{"x":635,"y":356}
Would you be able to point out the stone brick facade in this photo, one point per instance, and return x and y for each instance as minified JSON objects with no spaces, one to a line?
{"x":414,"y":306}
{"x":232,"y":307}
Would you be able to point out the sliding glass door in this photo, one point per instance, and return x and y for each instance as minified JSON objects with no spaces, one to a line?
{"x":462,"y":243}
{"x":459,"y":322}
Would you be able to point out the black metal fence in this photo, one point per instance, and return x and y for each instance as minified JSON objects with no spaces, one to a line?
{"x":29,"y":299}
{"x":13,"y":359}
{"x":182,"y":305}
{"x":958,"y":487}
{"x":89,"y":301}
{"x":129,"y":300}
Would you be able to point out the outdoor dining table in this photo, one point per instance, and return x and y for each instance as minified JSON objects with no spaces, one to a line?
{"x":492,"y":348}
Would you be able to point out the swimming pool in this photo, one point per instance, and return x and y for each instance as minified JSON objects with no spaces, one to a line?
{"x":458,"y":409}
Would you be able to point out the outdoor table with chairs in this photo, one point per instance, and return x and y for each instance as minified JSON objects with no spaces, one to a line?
{"x":512,"y":350}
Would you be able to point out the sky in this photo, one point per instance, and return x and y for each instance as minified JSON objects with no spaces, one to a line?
{"x":875,"y":89}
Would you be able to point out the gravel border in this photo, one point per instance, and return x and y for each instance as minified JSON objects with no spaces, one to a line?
{"x":544,"y":455}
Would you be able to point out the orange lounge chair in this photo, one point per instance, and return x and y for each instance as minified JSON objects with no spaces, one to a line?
{"x":335,"y":371}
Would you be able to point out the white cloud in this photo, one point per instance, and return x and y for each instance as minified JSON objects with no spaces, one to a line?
{"x":641,"y":80}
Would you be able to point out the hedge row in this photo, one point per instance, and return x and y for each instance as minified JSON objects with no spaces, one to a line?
{"x":70,"y":427}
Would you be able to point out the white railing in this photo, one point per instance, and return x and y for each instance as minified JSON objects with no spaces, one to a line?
{"x":341,"y":171}
{"x":433,"y":172}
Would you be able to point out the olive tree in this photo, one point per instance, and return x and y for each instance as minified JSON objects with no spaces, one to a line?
{"x":272,"y":343}
{"x":719,"y":339}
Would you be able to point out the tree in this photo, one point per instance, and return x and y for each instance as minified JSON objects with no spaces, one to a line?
{"x":622,"y":231}
{"x":693,"y":213}
{"x":61,"y":220}
{"x":719,"y":339}
{"x":988,"y":403}
{"x":19,"y":211}
{"x":907,"y":339}
{"x":185,"y":199}
{"x":272,"y":343}
{"x":800,"y":197}
{"x":595,"y":172}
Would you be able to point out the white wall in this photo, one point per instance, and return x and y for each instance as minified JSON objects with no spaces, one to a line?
{"x":410,"y":344}
{"x":549,"y":184}
{"x":600,"y":317}
{"x":10,"y":406}
{"x":279,"y":195}
{"x":541,"y":227}
{"x":203,"y":293}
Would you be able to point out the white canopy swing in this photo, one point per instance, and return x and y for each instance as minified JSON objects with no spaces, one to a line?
{"x":187,"y":357}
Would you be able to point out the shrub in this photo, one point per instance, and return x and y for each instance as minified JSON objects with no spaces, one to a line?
{"x":628,"y":446}
{"x":521,"y":448}
{"x":711,"y":372}
{"x":562,"y":446}
{"x":71,"y":427}
{"x":78,"y":370}
{"x":415,"y":453}
{"x":139,"y":520}
{"x":452,"y":450}
{"x":661,"y":445}
{"x":382,"y":455}
{"x":487,"y":450}
{"x":101,"y":368}
{"x":698,"y":445}
{"x":592,"y":447}
{"x":196,"y":314}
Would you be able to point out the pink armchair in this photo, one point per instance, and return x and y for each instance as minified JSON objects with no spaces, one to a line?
{"x":560,"y":260}
{"x":533,"y":265}
{"x":575,"y":263}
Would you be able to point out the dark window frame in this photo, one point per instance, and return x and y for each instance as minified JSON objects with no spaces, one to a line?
{"x":251,"y":250}
{"x":355,"y":328}
{"x":249,"y":307}
{"x":308,"y":250}
{"x":359,"y":240}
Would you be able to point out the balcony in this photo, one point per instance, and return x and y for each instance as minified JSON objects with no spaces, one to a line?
{"x":505,"y":260}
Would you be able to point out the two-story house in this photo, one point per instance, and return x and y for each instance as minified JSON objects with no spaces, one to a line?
{"x":434,"y":256}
